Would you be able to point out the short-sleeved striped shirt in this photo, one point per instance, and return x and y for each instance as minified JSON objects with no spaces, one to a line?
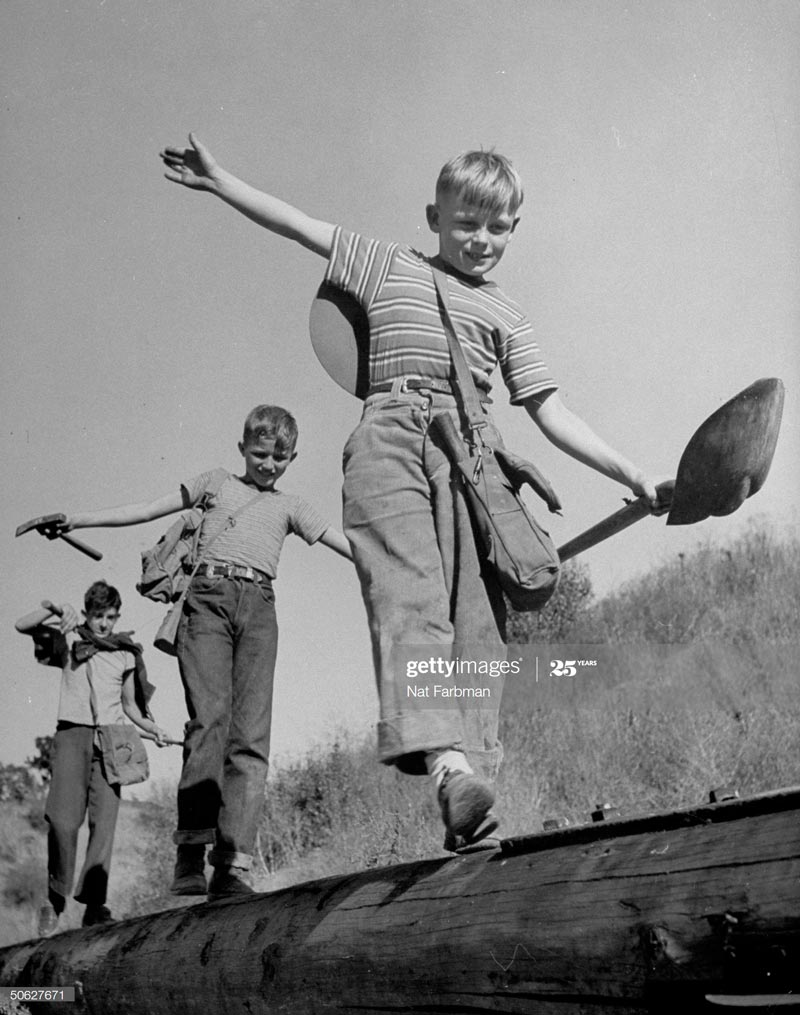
{"x":256,"y":537}
{"x":394,"y":284}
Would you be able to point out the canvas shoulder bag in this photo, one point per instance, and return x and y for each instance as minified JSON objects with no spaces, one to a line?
{"x":520,"y":552}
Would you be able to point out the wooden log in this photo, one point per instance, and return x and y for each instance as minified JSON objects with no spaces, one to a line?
{"x":627,"y":915}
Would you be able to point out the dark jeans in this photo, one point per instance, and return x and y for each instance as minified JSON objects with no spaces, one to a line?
{"x":77,"y":785}
{"x":227,"y":643}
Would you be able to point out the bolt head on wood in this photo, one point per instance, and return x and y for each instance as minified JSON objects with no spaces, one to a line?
{"x":721,"y":793}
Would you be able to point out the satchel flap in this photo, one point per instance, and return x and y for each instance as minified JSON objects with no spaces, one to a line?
{"x":519,"y":471}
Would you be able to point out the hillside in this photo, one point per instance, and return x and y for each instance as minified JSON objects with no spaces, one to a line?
{"x":696,"y":690}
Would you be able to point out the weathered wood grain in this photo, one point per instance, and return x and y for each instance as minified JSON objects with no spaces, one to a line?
{"x":627,"y":916}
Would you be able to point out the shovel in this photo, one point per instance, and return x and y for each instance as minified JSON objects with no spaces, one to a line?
{"x":725,"y":462}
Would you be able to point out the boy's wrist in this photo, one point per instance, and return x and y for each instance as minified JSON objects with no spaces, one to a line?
{"x":222,"y":182}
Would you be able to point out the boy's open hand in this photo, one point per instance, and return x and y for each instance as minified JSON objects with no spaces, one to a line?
{"x":194,"y":167}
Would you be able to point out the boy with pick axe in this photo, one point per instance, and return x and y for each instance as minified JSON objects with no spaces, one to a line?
{"x":422,"y":579}
{"x":103,"y":682}
{"x":227,"y":642}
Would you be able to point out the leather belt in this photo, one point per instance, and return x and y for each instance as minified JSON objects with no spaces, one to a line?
{"x":233,"y":571}
{"x":439,"y":384}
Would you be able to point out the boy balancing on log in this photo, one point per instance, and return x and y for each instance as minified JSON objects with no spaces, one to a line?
{"x":409,"y":529}
{"x":103,"y":681}
{"x":226,"y":645}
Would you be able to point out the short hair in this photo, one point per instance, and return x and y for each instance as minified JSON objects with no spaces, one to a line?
{"x":273,"y":423}
{"x":482,"y":178}
{"x":101,"y":596}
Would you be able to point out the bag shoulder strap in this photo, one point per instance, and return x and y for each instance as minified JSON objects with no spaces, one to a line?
{"x":464,"y":380}
{"x":213,"y":486}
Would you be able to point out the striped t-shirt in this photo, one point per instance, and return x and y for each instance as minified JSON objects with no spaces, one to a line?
{"x":394,"y":284}
{"x":256,"y":537}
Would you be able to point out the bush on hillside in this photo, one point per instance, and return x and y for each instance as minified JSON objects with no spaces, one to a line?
{"x":556,"y":621}
{"x":749,"y":590}
{"x":16,"y":783}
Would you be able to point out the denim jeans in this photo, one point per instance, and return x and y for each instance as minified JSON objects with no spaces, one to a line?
{"x":227,"y":642}
{"x":78,"y":785}
{"x":421,"y":577}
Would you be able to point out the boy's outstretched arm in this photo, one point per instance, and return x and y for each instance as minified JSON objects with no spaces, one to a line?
{"x":334,"y":539}
{"x":196,"y":167}
{"x":572,"y":435}
{"x":125,"y":514}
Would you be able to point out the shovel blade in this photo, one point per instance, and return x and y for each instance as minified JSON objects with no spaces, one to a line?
{"x":729,"y":456}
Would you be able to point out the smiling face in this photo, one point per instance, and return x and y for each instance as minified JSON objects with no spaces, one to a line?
{"x":265,"y":461}
{"x":472,"y":238}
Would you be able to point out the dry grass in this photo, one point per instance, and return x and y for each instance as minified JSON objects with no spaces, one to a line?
{"x":701,"y":695}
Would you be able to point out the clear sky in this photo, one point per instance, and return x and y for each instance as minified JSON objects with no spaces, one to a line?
{"x":657,"y":257}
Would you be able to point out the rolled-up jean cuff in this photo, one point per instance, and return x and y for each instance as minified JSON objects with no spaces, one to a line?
{"x":192,"y":836}
{"x":219,"y":858}
{"x":58,"y":887}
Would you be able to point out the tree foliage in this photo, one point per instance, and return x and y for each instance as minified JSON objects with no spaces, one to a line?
{"x":41,"y":761}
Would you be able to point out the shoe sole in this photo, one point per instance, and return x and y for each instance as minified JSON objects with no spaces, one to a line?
{"x":197,"y":887}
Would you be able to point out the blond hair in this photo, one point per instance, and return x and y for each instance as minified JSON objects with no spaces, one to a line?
{"x":482,"y":178}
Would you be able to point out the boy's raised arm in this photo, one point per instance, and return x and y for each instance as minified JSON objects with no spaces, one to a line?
{"x":67,"y":614}
{"x":196,"y":168}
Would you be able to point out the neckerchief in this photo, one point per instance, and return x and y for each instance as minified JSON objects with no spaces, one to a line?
{"x":88,"y":644}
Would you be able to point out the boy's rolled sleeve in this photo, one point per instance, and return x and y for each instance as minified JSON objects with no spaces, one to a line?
{"x":521,"y":363}
{"x":358,"y":265}
{"x":307,"y":522}
{"x":193,"y":489}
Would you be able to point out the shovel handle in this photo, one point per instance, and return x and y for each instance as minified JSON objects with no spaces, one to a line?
{"x":615,"y":523}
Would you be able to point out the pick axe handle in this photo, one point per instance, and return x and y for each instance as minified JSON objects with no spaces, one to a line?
{"x":79,"y":545}
{"x":615,"y":523}
{"x":149,"y":736}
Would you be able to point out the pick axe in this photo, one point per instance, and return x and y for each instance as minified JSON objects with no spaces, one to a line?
{"x":47,"y":525}
{"x":725,"y":462}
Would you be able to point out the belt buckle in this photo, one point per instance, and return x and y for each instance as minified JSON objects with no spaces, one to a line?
{"x":404,"y":388}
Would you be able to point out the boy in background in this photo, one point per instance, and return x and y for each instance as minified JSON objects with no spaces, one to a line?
{"x":227,"y":644}
{"x":410,"y":531}
{"x":103,"y":681}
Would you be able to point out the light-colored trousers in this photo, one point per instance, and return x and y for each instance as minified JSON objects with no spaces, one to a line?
{"x":421,"y":579}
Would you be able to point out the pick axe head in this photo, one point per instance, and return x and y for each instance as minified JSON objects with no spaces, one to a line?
{"x":48,"y":525}
{"x":729,"y":456}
